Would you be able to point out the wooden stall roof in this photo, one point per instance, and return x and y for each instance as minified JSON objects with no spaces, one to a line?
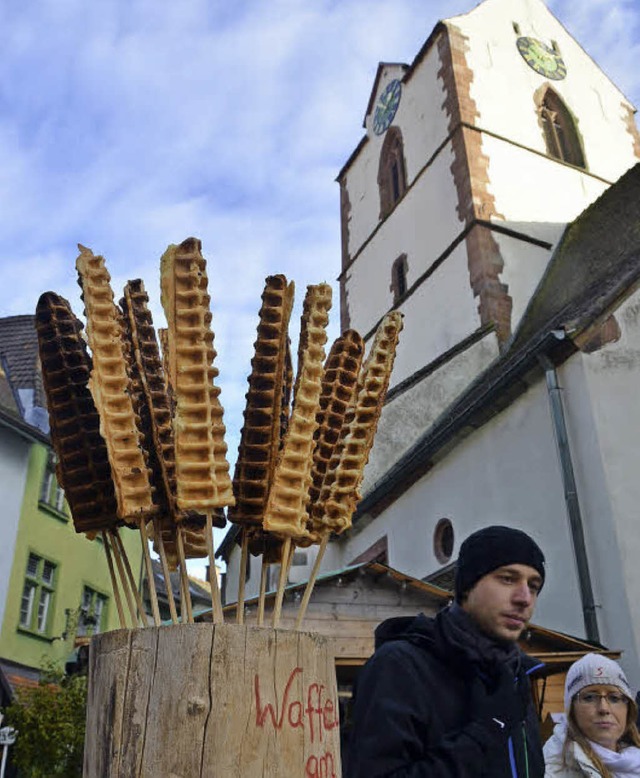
{"x":347,"y":605}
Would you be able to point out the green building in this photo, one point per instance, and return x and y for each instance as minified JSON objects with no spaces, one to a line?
{"x":55,"y":588}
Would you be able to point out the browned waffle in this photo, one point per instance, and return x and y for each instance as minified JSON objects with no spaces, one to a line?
{"x":109,"y":386}
{"x":340,"y":492}
{"x":338,"y":389}
{"x":265,"y":544}
{"x":263,"y":416}
{"x":194,"y":538}
{"x":83,"y":468}
{"x":202,"y":469}
{"x":286,"y":508}
{"x":153,"y":404}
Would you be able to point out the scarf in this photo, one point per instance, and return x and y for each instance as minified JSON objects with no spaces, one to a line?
{"x":621,"y":763}
{"x":462,"y":641}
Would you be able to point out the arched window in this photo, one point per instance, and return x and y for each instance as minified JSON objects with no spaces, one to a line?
{"x":399,"y":277}
{"x":392,"y":179}
{"x":560,"y":134}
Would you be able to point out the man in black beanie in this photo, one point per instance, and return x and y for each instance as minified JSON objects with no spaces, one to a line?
{"x":450,"y":697}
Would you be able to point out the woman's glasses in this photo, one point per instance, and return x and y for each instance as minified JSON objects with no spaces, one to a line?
{"x":593,"y":698}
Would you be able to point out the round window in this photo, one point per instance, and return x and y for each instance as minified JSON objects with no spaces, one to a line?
{"x":443,"y":541}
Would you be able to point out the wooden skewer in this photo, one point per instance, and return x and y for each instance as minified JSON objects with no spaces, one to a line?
{"x":114,"y":580}
{"x":165,"y":572}
{"x":216,"y":601}
{"x":153,"y":595}
{"x":312,"y":579}
{"x":242,"y":577}
{"x":132,"y":581}
{"x":264,"y":573}
{"x":123,"y":579}
{"x":287,"y":556}
{"x":186,"y":599}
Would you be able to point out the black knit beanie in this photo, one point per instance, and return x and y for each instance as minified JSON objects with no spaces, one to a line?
{"x":493,"y":547}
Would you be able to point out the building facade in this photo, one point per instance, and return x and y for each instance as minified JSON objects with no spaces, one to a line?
{"x":513,"y":394}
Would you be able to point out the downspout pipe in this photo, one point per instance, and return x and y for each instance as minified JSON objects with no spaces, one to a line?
{"x":571,"y":497}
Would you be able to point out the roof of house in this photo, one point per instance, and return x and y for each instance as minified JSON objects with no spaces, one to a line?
{"x":19,"y":345}
{"x":199,"y":590}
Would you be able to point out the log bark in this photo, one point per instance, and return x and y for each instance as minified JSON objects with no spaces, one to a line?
{"x":214,"y":700}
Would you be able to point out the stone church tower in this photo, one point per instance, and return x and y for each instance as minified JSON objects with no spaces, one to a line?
{"x":475,"y":157}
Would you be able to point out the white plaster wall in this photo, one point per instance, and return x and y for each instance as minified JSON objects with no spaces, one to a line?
{"x":541,"y":190}
{"x":603,"y":415}
{"x":438,"y":315}
{"x":524,"y":265}
{"x":406,"y":416}
{"x":423,"y":124}
{"x":14,"y":454}
{"x":500,"y":70}
{"x":506,"y":473}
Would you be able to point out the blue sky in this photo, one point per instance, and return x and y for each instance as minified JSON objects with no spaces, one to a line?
{"x":129,"y":125}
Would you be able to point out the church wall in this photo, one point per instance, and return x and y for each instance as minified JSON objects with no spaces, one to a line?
{"x":603,"y":415}
{"x":599,"y":108}
{"x":542,"y":191}
{"x":407,"y":415}
{"x":524,"y":265}
{"x":422,"y":226}
{"x":507,"y":472}
{"x":424,"y":127}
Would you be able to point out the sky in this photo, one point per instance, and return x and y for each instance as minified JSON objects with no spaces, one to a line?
{"x":127,"y":125}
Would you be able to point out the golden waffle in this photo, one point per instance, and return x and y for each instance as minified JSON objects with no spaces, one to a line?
{"x":109,"y":385}
{"x":338,"y":390}
{"x":153,"y":405}
{"x":263,"y":416}
{"x":202,"y":469}
{"x":286,"y":508}
{"x":83,"y":468}
{"x":340,"y":491}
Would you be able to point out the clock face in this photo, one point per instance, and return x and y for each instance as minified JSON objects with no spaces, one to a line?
{"x":387,"y":106}
{"x":541,"y":58}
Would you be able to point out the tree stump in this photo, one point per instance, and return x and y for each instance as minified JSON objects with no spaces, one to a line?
{"x":214,"y":700}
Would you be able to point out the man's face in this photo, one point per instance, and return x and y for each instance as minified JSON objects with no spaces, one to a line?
{"x":502,"y":601}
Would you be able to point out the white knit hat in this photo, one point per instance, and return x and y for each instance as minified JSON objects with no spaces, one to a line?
{"x":594,"y":670}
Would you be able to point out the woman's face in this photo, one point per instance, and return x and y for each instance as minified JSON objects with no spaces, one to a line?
{"x":597,"y":718}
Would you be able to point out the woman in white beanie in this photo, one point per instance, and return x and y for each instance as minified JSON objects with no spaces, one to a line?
{"x":597,"y":737}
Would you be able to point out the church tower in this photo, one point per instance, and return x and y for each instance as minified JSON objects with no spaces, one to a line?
{"x":475,"y":157}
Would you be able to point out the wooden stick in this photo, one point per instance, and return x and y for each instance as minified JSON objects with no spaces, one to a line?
{"x":185,"y":605}
{"x":216,"y":600}
{"x":165,"y":571}
{"x":287,"y":552}
{"x":114,"y":580}
{"x":153,"y":595}
{"x":242,"y":576}
{"x":132,"y":581}
{"x":312,"y":579}
{"x":123,"y":579}
{"x":264,"y":572}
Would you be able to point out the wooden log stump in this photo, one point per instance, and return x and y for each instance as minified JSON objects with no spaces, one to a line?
{"x":215,"y":700}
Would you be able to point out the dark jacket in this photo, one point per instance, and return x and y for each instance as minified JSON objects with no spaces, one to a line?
{"x":416,"y":712}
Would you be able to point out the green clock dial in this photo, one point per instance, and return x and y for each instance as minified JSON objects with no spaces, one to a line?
{"x":387,"y":106}
{"x":541,"y":58}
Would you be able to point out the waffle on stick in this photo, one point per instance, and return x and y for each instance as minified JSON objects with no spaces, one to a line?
{"x":194,"y":538}
{"x":109,"y":386}
{"x":266,"y":411}
{"x":83,"y":468}
{"x":153,"y":402}
{"x":202,"y":469}
{"x":340,"y":491}
{"x":339,"y":385}
{"x":286,"y":514}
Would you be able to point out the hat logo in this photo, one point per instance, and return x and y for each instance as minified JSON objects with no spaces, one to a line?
{"x":599,"y":672}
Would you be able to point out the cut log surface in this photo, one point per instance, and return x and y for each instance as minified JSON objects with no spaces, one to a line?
{"x":215,"y":700}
